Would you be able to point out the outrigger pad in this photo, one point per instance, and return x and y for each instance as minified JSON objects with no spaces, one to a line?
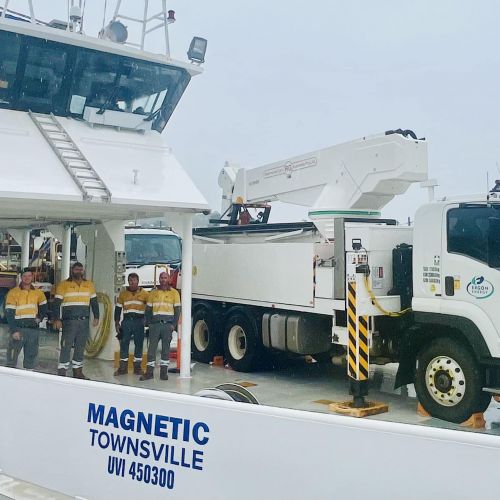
{"x":346,"y":408}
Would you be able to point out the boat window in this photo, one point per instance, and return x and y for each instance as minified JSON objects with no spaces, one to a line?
{"x":51,"y":77}
{"x":108,"y":81}
{"x":42,"y":84}
{"x":9,"y":55}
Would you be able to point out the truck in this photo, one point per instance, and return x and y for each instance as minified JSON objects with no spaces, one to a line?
{"x":148,"y":251}
{"x":350,"y":283}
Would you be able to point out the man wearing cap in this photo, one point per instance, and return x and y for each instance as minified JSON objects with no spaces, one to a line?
{"x":25,"y":307}
{"x":73,"y":300}
{"x":162,"y":314}
{"x":132,"y":303}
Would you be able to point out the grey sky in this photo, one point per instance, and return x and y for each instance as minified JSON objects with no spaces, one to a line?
{"x":287,"y":77}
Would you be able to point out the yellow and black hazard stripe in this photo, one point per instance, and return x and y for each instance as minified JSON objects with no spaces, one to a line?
{"x":363,"y":358}
{"x":357,"y":327}
{"x":352,"y":366}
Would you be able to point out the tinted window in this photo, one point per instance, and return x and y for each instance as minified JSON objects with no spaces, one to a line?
{"x":94,"y":80}
{"x":51,"y":77}
{"x":468,"y":229}
{"x":42,"y":85}
{"x":152,"y":249}
{"x":108,"y":81}
{"x":10,"y":45}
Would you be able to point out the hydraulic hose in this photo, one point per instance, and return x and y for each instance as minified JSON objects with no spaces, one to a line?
{"x":95,"y":344}
{"x":376,"y":303}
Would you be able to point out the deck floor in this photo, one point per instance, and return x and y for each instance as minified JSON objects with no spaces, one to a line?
{"x":293,"y":383}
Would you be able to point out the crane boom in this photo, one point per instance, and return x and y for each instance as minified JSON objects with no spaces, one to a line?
{"x":364,"y":174}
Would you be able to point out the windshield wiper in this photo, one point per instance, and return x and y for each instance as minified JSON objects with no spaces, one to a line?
{"x":154,"y":114}
{"x":111,"y":97}
{"x":114,"y":91}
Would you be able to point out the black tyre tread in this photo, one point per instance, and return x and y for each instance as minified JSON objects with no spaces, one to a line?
{"x":474,"y":401}
{"x":254,"y":357}
{"x":214,"y":348}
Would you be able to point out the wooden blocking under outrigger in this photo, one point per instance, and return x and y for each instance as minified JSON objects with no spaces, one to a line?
{"x":347,"y":408}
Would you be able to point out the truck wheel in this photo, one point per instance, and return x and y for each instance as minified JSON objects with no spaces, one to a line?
{"x":205,"y":338}
{"x":449,"y":381}
{"x":242,"y":344}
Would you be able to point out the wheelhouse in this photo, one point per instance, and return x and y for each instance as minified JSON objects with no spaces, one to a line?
{"x":99,"y":86}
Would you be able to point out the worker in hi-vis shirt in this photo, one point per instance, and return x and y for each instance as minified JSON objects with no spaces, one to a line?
{"x":162,"y":315}
{"x":132,"y":303}
{"x":73,"y":300}
{"x":25,"y":307}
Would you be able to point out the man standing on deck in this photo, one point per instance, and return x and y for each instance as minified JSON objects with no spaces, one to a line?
{"x":162,"y":314}
{"x":132,"y":302}
{"x":73,"y":300}
{"x":25,"y":307}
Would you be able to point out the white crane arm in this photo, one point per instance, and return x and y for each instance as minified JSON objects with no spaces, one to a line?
{"x":362,"y":174}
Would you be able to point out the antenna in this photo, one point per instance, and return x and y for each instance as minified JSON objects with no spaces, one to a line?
{"x":149,"y":22}
{"x":488,"y":186}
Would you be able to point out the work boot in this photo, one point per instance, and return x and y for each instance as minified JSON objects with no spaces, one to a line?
{"x":137,"y":368}
{"x":61,"y":372}
{"x":78,"y":373}
{"x":123,"y":369}
{"x":164,"y":372}
{"x":148,"y":374}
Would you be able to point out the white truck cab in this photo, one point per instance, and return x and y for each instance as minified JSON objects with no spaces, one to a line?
{"x":150,"y":251}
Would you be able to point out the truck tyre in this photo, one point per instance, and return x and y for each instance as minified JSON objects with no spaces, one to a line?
{"x":243,"y":347}
{"x":449,"y":381}
{"x":205,"y":339}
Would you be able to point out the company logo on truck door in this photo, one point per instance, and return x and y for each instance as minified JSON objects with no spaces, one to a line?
{"x":480,"y":287}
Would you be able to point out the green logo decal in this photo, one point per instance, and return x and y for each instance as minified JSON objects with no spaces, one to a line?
{"x":480,"y":288}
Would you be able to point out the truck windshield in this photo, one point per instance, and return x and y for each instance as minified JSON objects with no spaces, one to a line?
{"x":144,"y":249}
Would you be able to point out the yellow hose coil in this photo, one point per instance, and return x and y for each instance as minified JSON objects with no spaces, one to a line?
{"x":96,"y":343}
{"x":376,"y":303}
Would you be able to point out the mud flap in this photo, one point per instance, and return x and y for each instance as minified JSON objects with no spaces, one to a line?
{"x":407,"y":358}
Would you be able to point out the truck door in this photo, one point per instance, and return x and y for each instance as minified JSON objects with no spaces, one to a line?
{"x":470,"y":271}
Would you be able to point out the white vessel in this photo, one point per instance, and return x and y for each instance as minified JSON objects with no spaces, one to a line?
{"x":82,"y":151}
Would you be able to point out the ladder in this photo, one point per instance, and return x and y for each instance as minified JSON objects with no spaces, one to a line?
{"x":80,"y":169}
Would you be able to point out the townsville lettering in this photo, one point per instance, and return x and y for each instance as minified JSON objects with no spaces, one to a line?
{"x":166,"y":443}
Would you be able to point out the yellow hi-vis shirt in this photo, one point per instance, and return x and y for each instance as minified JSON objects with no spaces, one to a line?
{"x":162,"y":302}
{"x":25,"y":302}
{"x":73,"y":293}
{"x":132,"y":302}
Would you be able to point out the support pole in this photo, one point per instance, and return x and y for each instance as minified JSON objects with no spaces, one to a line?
{"x":358,"y":358}
{"x":187,"y":277}
{"x":25,"y":250}
{"x":66,"y":252}
{"x":358,"y":355}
